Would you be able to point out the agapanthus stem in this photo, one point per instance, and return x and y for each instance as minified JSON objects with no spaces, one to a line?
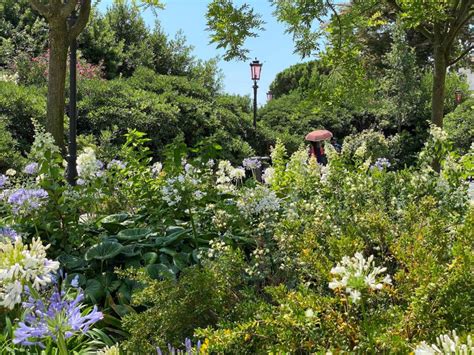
{"x":192,"y":224}
{"x":62,"y":345}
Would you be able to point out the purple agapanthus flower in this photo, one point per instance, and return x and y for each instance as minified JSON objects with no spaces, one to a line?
{"x":381,"y":164}
{"x":59,"y":315}
{"x":116,"y":164}
{"x":8,"y":233}
{"x":31,"y":168}
{"x":251,"y":163}
{"x":3,"y":180}
{"x":75,"y":281}
{"x":27,"y":199}
{"x":188,"y":346}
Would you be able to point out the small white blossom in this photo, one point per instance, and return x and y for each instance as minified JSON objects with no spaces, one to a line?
{"x":156,"y":168}
{"x":10,"y":172}
{"x":446,"y":344}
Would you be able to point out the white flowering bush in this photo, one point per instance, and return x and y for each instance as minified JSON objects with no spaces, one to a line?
{"x":258,"y":201}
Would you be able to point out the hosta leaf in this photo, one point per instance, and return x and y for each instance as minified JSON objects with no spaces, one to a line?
{"x":160,"y":271}
{"x":71,"y":262}
{"x":130,"y":250}
{"x":175,"y":237}
{"x":181,"y":260}
{"x":150,"y":257}
{"x":103,"y":251}
{"x":168,"y":251}
{"x":133,"y":234}
{"x":113,"y":223}
{"x":94,"y":290}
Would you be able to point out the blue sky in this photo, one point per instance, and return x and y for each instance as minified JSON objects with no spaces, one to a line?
{"x":273,"y":47}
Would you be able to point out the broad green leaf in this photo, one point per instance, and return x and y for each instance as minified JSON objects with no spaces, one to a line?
{"x":130,"y":250}
{"x":160,"y":271}
{"x":150,"y":257}
{"x":115,"y":222}
{"x":133,"y":234}
{"x":103,"y":251}
{"x":181,"y":260}
{"x":94,"y":290}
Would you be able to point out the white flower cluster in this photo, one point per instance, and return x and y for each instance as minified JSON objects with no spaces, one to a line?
{"x":226,"y":175}
{"x":186,"y":184}
{"x":257,"y":201}
{"x":21,"y":264}
{"x":156,"y":169}
{"x":446,"y":344}
{"x":438,"y":134}
{"x":259,"y":258}
{"x":13,"y":78}
{"x":356,"y":274}
{"x":109,"y":350}
{"x":221,"y":219}
{"x":88,"y":166}
{"x":268,"y":176}
{"x":217,"y":247}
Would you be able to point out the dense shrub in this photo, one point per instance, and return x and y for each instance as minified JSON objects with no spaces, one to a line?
{"x":459,"y":124}
{"x":103,"y":104}
{"x":166,"y":107}
{"x":10,"y":156}
{"x":20,"y":105}
{"x":366,"y":145}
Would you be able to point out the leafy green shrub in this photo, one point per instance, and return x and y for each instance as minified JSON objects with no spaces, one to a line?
{"x":201,"y":297}
{"x":20,"y":105}
{"x":365,"y":145}
{"x":103,"y":104}
{"x":10,"y":156}
{"x":165,"y":107}
{"x":459,"y":125}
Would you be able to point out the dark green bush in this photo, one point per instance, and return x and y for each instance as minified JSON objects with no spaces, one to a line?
{"x":459,"y":125}
{"x":10,"y":156}
{"x":20,"y":105}
{"x":165,"y":107}
{"x":201,"y":297}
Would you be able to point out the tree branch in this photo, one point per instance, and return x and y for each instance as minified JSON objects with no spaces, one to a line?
{"x":466,"y":51}
{"x":68,"y":8}
{"x":82,"y":19}
{"x":463,"y":16}
{"x":338,"y":18}
{"x":43,"y":10}
{"x":425,"y":32}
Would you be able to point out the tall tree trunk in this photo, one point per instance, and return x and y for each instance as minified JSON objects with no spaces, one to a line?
{"x":58,"y":46}
{"x":439,"y":79}
{"x":437,"y":97}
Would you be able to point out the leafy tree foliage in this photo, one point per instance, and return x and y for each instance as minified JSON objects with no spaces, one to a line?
{"x":21,"y":32}
{"x":443,"y":24}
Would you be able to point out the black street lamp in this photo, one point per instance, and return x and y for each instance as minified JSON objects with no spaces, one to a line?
{"x":269,"y":96}
{"x":72,"y":148}
{"x":255,"y":70}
